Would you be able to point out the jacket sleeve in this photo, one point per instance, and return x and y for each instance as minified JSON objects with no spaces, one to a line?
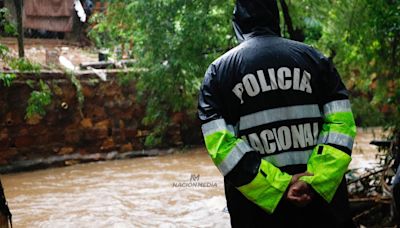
{"x":330,"y":158}
{"x":256,"y":179}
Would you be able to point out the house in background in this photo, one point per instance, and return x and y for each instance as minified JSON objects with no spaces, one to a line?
{"x":54,"y":18}
{"x":51,"y":15}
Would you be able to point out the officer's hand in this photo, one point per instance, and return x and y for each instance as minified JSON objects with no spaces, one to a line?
{"x":296,"y":177}
{"x":300,"y":194}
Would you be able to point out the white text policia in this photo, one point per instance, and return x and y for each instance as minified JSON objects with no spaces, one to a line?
{"x":283,"y":79}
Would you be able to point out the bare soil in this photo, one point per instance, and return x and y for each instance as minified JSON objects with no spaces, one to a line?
{"x":46,"y":51}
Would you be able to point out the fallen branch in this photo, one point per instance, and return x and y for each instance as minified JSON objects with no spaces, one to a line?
{"x":366,"y":176}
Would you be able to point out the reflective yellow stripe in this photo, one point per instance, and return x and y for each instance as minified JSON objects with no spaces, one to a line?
{"x":328,"y":165}
{"x":341,"y":122}
{"x":222,"y":145}
{"x":234,"y":157}
{"x":267,"y":188}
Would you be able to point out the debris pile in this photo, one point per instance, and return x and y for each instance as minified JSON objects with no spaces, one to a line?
{"x":370,"y":190}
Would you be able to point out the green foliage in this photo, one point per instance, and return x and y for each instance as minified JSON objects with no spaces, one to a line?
{"x":18,"y":64}
{"x":125,"y":78}
{"x":9,"y":28}
{"x":3,"y":51}
{"x":174,"y":41}
{"x":363,"y":36}
{"x":93,"y":82}
{"x":153,"y":140}
{"x":78,"y":87}
{"x":108,"y":31}
{"x":30,"y":83}
{"x":38,"y":101}
{"x":366,"y":114}
{"x":24,"y":65}
{"x":7,"y":78}
{"x":312,"y":30}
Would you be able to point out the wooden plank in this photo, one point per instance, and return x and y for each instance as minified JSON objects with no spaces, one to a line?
{"x":107,"y":64}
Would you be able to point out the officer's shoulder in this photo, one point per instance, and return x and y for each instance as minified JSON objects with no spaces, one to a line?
{"x":233,"y":53}
{"x":307,"y":49}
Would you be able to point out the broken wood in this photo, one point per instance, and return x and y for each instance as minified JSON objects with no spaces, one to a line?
{"x":377,"y":199}
{"x":108,"y":64}
{"x":366,"y":176}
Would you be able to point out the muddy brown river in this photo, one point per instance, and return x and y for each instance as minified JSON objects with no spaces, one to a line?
{"x":183,"y":189}
{"x":178,"y":190}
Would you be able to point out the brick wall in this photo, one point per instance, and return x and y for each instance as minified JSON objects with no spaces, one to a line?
{"x":110,"y":119}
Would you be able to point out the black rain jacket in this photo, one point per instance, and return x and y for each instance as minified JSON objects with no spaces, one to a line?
{"x":262,"y":51}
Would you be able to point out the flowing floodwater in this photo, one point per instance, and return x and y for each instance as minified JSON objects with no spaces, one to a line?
{"x":183,"y":189}
{"x":179,"y":190}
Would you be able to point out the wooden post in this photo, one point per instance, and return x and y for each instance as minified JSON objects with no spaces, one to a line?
{"x":18,"y":9}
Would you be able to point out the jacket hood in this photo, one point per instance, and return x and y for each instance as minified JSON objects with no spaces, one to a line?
{"x":253,"y":16}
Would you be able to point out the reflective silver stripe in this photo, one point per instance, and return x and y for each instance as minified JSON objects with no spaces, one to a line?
{"x":337,"y":106}
{"x":216,"y":125}
{"x":289,"y":158}
{"x":278,"y":114}
{"x":343,"y":92}
{"x":337,"y":139}
{"x":234,"y":157}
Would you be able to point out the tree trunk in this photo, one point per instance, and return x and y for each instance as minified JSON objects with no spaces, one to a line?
{"x":288,"y":19}
{"x":294,"y":34}
{"x":18,"y":9}
{"x":1,"y":17}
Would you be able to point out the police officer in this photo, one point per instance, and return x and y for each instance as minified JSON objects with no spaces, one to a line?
{"x":277,"y":123}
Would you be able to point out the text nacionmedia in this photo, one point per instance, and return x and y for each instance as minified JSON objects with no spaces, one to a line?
{"x":194,"y":184}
